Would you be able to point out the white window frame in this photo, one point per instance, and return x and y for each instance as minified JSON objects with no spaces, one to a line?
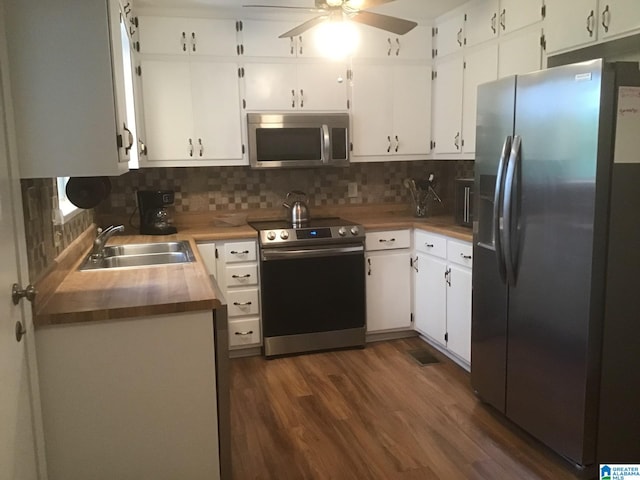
{"x":65,"y":210}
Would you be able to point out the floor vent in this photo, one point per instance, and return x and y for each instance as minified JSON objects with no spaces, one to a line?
{"x":422,"y":356}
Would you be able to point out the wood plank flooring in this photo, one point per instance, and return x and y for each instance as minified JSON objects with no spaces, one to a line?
{"x":372,"y":414}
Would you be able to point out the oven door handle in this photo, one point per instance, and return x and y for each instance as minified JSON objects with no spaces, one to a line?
{"x":280,"y":254}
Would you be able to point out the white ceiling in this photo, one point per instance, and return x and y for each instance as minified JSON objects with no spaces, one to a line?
{"x":408,"y":9}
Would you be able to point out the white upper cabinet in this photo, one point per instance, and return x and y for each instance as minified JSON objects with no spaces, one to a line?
{"x":391,"y":110}
{"x":188,"y":36}
{"x":480,"y":66}
{"x":449,"y":35}
{"x":447,"y":105}
{"x":376,"y":43}
{"x":289,"y":86}
{"x":572,"y":24}
{"x":481,"y":21}
{"x":516,"y":14}
{"x":520,"y":53}
{"x":261,"y":39}
{"x":67,"y":73}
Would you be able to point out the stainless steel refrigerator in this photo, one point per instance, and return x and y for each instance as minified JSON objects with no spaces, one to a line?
{"x":556,"y":272}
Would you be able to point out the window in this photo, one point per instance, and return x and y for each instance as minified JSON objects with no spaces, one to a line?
{"x":65,"y":209}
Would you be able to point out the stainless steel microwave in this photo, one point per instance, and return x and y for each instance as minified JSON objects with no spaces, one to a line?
{"x":298,"y":139}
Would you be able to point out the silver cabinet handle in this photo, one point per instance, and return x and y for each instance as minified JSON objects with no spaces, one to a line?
{"x":292,"y":48}
{"x":193,"y":41}
{"x":503,"y":19}
{"x":390,"y":47}
{"x":300,"y":45}
{"x":590,"y":24}
{"x":459,"y":37}
{"x":184,"y":41}
{"x":241,"y":304}
{"x":447,"y":276}
{"x":429,"y":245}
{"x":247,"y":275}
{"x":389,"y":147}
{"x":415,"y":264}
{"x":200,"y":146}
{"x":466,"y":257}
{"x":456,"y":141}
{"x":248,"y":332}
{"x":384,"y":240}
{"x":397,"y":144}
{"x":606,"y":18}
{"x":397,"y":46}
{"x":293,"y":99}
{"x":493,"y":22}
{"x":190,"y":148}
{"x":301,"y":98}
{"x":243,"y":252}
{"x":126,"y":149}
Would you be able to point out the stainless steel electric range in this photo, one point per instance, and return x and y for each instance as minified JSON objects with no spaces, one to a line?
{"x":312,"y":285}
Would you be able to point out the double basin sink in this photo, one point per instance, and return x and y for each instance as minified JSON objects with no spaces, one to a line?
{"x":140,"y":255}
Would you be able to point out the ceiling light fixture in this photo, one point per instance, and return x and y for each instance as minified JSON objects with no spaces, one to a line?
{"x":337,"y":39}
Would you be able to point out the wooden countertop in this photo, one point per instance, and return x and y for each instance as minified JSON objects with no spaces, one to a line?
{"x":70,"y":295}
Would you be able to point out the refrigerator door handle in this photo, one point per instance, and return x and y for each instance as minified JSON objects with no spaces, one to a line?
{"x":507,"y":210}
{"x":498,"y":219}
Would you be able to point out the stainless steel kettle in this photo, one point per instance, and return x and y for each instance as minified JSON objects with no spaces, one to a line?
{"x":298,"y":209}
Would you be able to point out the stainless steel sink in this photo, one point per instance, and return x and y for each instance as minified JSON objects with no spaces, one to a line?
{"x":140,"y":255}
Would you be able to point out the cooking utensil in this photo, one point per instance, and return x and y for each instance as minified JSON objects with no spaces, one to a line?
{"x":87,"y":192}
{"x":298,"y":209}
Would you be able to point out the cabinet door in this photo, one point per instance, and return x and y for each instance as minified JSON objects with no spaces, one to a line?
{"x":516,"y":14}
{"x":618,"y":16}
{"x":216,"y":110}
{"x":388,"y":291}
{"x":450,"y":37}
{"x":187,"y":36}
{"x":520,"y":53}
{"x":260,"y":39}
{"x":447,"y":106}
{"x":459,"y":312}
{"x":570,"y":23}
{"x":322,"y":86}
{"x":270,"y":86}
{"x":481,"y":66}
{"x":208,"y":254}
{"x":481,"y":22}
{"x":376,"y":43}
{"x":411,"y":110}
{"x":430,"y":293}
{"x":372,"y":110}
{"x":168,"y":113}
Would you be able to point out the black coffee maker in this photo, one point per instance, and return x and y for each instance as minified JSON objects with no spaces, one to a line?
{"x":154,"y":215}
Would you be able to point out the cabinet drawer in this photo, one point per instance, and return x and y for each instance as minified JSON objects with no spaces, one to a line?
{"x":242,"y":302}
{"x":430,"y":243}
{"x":239,"y":275}
{"x":240,"y":252}
{"x":244,"y":332}
{"x":387,"y":240}
{"x":460,"y":253}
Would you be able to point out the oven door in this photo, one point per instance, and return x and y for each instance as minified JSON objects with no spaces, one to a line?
{"x":307,"y":291}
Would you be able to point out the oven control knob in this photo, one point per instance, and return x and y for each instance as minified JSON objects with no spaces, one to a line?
{"x":284,"y":234}
{"x":342,"y":231}
{"x":271,"y":235}
{"x":355,"y":230}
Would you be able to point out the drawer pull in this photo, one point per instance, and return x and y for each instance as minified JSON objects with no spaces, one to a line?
{"x":246,"y":275}
{"x":243,"y":252}
{"x":248,"y":332}
{"x":429,"y":245}
{"x":241,"y":304}
{"x":383,"y":240}
{"x":466,"y":257}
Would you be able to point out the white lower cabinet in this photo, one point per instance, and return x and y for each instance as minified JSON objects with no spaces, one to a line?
{"x":234,"y":264}
{"x":388,"y":281}
{"x":116,"y":395}
{"x":442,"y":293}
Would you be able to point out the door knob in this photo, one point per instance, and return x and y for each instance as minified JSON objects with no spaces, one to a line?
{"x":18,"y":293}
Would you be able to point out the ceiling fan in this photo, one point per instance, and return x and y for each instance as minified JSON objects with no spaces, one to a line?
{"x":346,"y":9}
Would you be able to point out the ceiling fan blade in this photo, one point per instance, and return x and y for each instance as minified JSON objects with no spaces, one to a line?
{"x":303,"y":27}
{"x":395,"y":25}
{"x":366,"y":4}
{"x":283,"y":7}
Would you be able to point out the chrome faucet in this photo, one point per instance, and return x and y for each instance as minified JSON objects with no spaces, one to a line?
{"x":103,"y":235}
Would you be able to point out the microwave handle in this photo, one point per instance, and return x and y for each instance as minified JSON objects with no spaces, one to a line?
{"x":326,"y":144}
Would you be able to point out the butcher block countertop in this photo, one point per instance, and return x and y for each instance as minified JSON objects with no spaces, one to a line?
{"x":67,"y":295}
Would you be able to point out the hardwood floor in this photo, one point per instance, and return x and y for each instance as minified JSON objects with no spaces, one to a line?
{"x":372,"y":414}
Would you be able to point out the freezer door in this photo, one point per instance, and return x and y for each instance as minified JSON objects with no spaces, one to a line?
{"x":494,"y":130}
{"x":553,"y":200}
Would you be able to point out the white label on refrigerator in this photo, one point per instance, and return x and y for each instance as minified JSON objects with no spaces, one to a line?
{"x":627,"y":148}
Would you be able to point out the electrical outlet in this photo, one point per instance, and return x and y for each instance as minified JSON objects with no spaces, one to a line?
{"x":352,"y":189}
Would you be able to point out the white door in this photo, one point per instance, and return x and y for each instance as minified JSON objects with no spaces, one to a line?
{"x":481,"y":66}
{"x":570,"y":23}
{"x":515,"y":14}
{"x":520,"y":53}
{"x":459,"y":312}
{"x":620,"y":17}
{"x":261,"y":38}
{"x":17,"y":438}
{"x":270,"y":86}
{"x":481,"y":22}
{"x":322,"y":86}
{"x":447,"y":106}
{"x":450,"y":37}
{"x":431,"y":298}
{"x":411,"y":110}
{"x":388,"y":291}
